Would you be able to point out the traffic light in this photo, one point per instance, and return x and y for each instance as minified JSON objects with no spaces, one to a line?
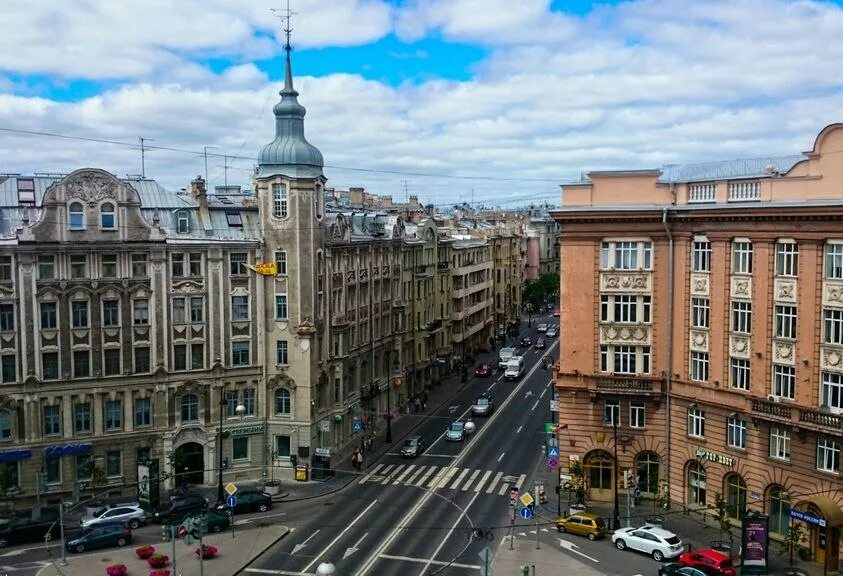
{"x":627,"y":479}
{"x":200,"y":526}
{"x":165,"y":533}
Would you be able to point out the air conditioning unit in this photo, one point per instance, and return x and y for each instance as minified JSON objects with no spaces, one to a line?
{"x":774,"y":398}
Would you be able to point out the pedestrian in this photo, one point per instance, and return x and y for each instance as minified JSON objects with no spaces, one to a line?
{"x":362,"y":444}
{"x":424,"y":400}
{"x":417,"y":403}
{"x":360,"y":461}
{"x":354,"y":460}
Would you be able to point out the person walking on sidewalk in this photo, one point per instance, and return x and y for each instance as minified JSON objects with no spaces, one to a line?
{"x":360,"y":461}
{"x":355,"y":461}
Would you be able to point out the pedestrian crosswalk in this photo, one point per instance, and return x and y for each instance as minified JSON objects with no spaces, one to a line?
{"x":443,"y":478}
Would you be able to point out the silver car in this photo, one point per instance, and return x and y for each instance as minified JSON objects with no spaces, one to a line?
{"x":132,"y":516}
{"x":552,"y":332}
{"x":482,"y":406}
{"x":455,"y":432}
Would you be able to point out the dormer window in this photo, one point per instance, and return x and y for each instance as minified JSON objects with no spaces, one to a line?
{"x":26,"y":190}
{"x":234,"y":220}
{"x":108,"y":221}
{"x":183,"y":223}
{"x":77,"y":216}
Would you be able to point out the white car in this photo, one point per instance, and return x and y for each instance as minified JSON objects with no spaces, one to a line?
{"x":132,"y":516}
{"x":552,"y":332}
{"x":542,"y":327}
{"x":653,"y":540}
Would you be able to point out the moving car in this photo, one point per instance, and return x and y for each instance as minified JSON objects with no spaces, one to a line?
{"x":583,"y":524}
{"x":653,"y":540}
{"x":542,"y":327}
{"x":483,"y":370}
{"x":132,"y":516}
{"x":541,"y":344}
{"x":526,"y":342}
{"x":483,"y":405}
{"x":709,"y":561}
{"x":552,"y":332}
{"x":514,"y":368}
{"x":217,"y":520}
{"x":23,"y":529}
{"x":556,"y":312}
{"x":676,"y":569}
{"x":455,"y":432}
{"x":179,"y":507}
{"x":413,"y":446}
{"x":248,"y":501}
{"x":100,"y":536}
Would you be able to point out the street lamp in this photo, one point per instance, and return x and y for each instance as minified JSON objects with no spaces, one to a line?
{"x":240,"y":410}
{"x":615,"y":513}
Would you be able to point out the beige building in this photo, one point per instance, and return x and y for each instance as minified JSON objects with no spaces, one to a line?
{"x":472,"y":308}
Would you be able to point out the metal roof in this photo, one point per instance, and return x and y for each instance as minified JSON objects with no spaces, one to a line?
{"x":729,"y":169}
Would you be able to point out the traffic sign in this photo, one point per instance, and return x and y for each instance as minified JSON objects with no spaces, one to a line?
{"x":357,"y":426}
{"x":231,"y":501}
{"x":513,"y":496}
{"x":637,"y":492}
{"x":526,"y":513}
{"x":552,"y":463}
{"x":231,"y":488}
{"x":526,"y":499}
{"x":550,"y":427}
{"x":553,"y":452}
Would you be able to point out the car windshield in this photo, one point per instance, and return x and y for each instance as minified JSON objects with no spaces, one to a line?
{"x":482,"y":401}
{"x":672,"y":540}
{"x":456,"y":427}
{"x":410,"y":443}
{"x":600,"y":523}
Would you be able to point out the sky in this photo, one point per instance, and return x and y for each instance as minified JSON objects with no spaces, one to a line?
{"x":487,"y":101}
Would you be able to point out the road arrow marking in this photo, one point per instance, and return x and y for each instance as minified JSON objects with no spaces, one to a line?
{"x":256,"y":518}
{"x":519,"y":429}
{"x":571,"y":547}
{"x":298,"y":547}
{"x":545,"y":530}
{"x":501,"y":456}
{"x":352,"y":549}
{"x":528,"y":394}
{"x":452,"y":409}
{"x":309,"y":568}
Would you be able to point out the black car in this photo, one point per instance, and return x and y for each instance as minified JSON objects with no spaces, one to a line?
{"x":181,"y":506}
{"x":526,"y":341}
{"x":676,"y":569}
{"x":248,"y":501}
{"x":413,"y":446}
{"x":23,"y":529}
{"x":101,"y":536}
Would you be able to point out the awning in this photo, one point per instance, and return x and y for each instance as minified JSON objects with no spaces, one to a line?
{"x":14,"y":455}
{"x":830,"y":510}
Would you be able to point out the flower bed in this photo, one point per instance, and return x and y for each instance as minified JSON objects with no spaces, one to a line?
{"x":207,"y":551}
{"x":160,"y":573}
{"x":145,"y":552}
{"x":116,"y":570}
{"x":158,"y":560}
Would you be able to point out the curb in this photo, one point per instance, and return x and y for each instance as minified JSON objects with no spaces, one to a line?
{"x":262,"y":552}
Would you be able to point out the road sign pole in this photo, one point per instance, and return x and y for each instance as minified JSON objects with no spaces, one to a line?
{"x":201,"y":555}
{"x":173,"y":533}
{"x":538,"y":546}
{"x":512,"y":530}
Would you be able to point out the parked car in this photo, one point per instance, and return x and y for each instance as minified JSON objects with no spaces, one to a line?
{"x":181,"y":506}
{"x":653,"y":540}
{"x":217,"y":520}
{"x":248,"y":501}
{"x":583,"y":524}
{"x":541,"y":344}
{"x":22,"y":529}
{"x":483,"y":371}
{"x":455,"y":432}
{"x":132,"y":516}
{"x":413,"y":446}
{"x":100,"y":536}
{"x":552,"y":332}
{"x":483,"y":405}
{"x":526,"y":342}
{"x":709,"y":561}
{"x":676,"y":569}
{"x":542,"y":327}
{"x":556,"y":312}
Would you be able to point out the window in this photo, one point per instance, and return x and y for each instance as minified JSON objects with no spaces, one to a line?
{"x":143,"y":412}
{"x":194,"y":263}
{"x":828,"y":455}
{"x":113,"y":415}
{"x":785,"y":321}
{"x":742,"y":257}
{"x":197,"y":309}
{"x":111,"y":362}
{"x":48,"y":316}
{"x":637,"y":414}
{"x":52,"y":420}
{"x":239,"y":308}
{"x":110,"y":313}
{"x":701,"y":257}
{"x":281,"y":262}
{"x":52,"y":468}
{"x":833,"y":326}
{"x":142,"y":364}
{"x":190,"y":408}
{"x":240,"y":448}
{"x":281,"y":353}
{"x":625,"y":360}
{"x":8,"y":368}
{"x":81,"y":364}
{"x":739,"y":373}
{"x":700,"y":312}
{"x":784,"y":381}
{"x":179,"y":357}
{"x":107,"y":217}
{"x":736,"y":432}
{"x":626,"y":255}
{"x":647,"y":467}
{"x":234,"y":219}
{"x":779,"y":510}
{"x":139,"y":263}
{"x":7,"y":317}
{"x":50,"y":365}
{"x":140,"y":312}
{"x":282,"y":402}
{"x":282,"y":447}
{"x":46,"y":267}
{"x":197,"y":356}
{"x":178,"y":311}
{"x":113,"y":463}
{"x":834,"y":261}
{"x":696,"y":484}
{"x":79,"y":313}
{"x":5,"y":426}
{"x":612,"y":413}
{"x":779,"y":443}
{"x":109,"y":265}
{"x":240,"y":353}
{"x":279,"y":200}
{"x":83,"y":467}
{"x":741,"y":316}
{"x":735,"y":496}
{"x":696,"y":422}
{"x":78,"y":266}
{"x":183,"y":223}
{"x":82,"y":418}
{"x":699,"y":366}
{"x":77,"y":216}
{"x":177,"y":265}
{"x":236,"y":260}
{"x":280,"y":306}
{"x":26,"y":190}
{"x":787,"y":259}
{"x":832,"y":391}
{"x":249,"y":401}
{"x":626,"y":308}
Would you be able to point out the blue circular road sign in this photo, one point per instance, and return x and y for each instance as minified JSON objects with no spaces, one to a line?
{"x":526,"y":513}
{"x":231,"y":501}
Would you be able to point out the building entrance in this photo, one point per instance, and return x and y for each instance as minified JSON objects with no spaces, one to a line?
{"x":189,"y":464}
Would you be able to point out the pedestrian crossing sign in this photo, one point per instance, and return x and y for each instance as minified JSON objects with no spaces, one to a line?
{"x":552,"y":452}
{"x":358,"y":426}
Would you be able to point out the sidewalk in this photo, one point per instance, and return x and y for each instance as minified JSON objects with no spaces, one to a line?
{"x":548,"y":561}
{"x":235,"y":553}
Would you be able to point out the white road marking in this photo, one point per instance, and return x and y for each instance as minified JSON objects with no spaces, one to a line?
{"x":424,"y":478}
{"x":460,"y":478}
{"x":519,"y":429}
{"x":352,"y":549}
{"x":261,"y":517}
{"x":479,"y":485}
{"x":340,"y":535}
{"x":494,"y":483}
{"x":501,"y":456}
{"x":470,"y":481}
{"x":543,"y":393}
{"x":391,"y":476}
{"x":425,"y":561}
{"x":416,"y":475}
{"x":434,"y":483}
{"x":571,"y":547}
{"x":534,"y":406}
{"x":278,"y":572}
{"x":301,"y":545}
{"x":449,"y":473}
{"x":441,"y":455}
{"x":405,"y":474}
{"x":370,"y":474}
{"x":520,"y":481}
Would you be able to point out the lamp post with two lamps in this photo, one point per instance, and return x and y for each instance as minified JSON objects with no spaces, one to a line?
{"x":240,"y":410}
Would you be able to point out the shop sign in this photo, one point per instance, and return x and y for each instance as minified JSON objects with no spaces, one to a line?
{"x":67,"y":450}
{"x":14,"y":455}
{"x":715,"y":457}
{"x":323,"y":452}
{"x":807,"y":517}
{"x":245,"y":430}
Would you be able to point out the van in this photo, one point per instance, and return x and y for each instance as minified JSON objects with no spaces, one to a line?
{"x":514,"y":368}
{"x":504,"y":357}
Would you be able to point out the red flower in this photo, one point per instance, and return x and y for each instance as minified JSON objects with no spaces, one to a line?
{"x":145,"y":552}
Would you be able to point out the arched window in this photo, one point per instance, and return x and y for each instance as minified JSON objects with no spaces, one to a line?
{"x":282,"y":402}
{"x":108,"y":220}
{"x":696,"y":484}
{"x":5,"y":426}
{"x":77,"y":216}
{"x":735,"y":496}
{"x":778,"y":509}
{"x":647,"y":468}
{"x":598,"y":470}
{"x":189,"y":408}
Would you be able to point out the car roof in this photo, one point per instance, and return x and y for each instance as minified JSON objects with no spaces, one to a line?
{"x":710,"y":552}
{"x":656,"y":530}
{"x":413,"y":437}
{"x":590,"y":515}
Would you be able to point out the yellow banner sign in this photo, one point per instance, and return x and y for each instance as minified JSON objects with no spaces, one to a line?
{"x":267,"y":269}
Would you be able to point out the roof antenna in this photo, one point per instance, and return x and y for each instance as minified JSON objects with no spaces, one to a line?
{"x":286,"y":16}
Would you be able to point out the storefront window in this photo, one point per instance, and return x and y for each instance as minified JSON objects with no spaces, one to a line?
{"x":735,"y":496}
{"x":696,"y":484}
{"x":779,"y":510}
{"x":647,"y":467}
{"x":599,"y":471}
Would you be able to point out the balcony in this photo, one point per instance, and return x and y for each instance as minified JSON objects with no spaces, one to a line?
{"x":443,"y":266}
{"x":821,"y":419}
{"x":744,"y":191}
{"x":399,"y":303}
{"x":624,"y":385}
{"x":340,"y":320}
{"x":433,"y":326}
{"x":774,"y":409}
{"x":422,"y":270}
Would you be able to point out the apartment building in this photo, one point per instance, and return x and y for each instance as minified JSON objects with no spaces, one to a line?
{"x":713,"y":365}
{"x":472,"y":297}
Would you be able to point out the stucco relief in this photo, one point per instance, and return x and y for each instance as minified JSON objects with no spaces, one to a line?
{"x":742,"y":287}
{"x":699,"y":284}
{"x":91,"y":187}
{"x":739,"y":346}
{"x":188,"y":287}
{"x":699,"y":340}
{"x":281,"y":381}
{"x":784,"y":352}
{"x":785,"y":290}
{"x":614,"y":282}
{"x":833,"y":293}
{"x":627,"y":334}
{"x":831,"y":359}
{"x":7,"y":291}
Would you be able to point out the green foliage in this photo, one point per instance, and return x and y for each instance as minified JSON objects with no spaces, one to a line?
{"x":792,"y":540}
{"x":542,"y":291}
{"x":721,"y":508}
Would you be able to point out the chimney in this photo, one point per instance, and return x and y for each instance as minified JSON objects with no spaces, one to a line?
{"x":197,"y":188}
{"x":414,"y":200}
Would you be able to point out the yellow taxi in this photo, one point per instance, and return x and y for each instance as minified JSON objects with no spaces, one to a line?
{"x":585,"y":524}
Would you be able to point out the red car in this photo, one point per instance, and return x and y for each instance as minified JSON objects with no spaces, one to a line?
{"x":483,"y":371}
{"x":709,"y":561}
